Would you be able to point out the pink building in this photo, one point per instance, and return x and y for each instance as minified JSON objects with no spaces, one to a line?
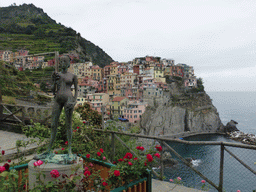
{"x":134,"y":111}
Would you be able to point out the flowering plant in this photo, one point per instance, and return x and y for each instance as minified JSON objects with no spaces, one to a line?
{"x":130,"y":168}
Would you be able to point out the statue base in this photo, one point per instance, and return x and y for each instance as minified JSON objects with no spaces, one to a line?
{"x":46,"y":168}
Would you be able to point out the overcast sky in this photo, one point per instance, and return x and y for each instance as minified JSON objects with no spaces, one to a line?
{"x":217,"y":37}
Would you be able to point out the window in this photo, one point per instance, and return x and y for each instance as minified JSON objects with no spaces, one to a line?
{"x":135,"y":116}
{"x":78,"y":99}
{"x":135,"y":111}
{"x":130,"y":111}
{"x":140,"y":111}
{"x":131,"y":116}
{"x":124,"y":110}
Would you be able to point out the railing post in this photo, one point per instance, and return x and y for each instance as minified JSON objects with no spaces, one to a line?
{"x":113,"y":146}
{"x":221,"y":167}
{"x":161,"y":164}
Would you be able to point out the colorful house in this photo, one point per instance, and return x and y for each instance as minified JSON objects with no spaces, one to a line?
{"x":117,"y":106}
{"x":134,"y":111}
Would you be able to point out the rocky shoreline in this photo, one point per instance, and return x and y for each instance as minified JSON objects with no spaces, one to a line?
{"x":242,"y":137}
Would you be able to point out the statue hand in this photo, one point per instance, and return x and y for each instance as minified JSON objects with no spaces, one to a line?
{"x":55,"y":76}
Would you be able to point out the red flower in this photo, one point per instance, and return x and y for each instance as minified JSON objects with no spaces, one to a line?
{"x":55,"y":173}
{"x":101,"y":150}
{"x":9,"y":161}
{"x":159,"y":148}
{"x":66,"y":142}
{"x":105,"y":183}
{"x":157,"y":155}
{"x":87,"y":173}
{"x":24,"y":187}
{"x":62,"y":149}
{"x":74,"y":130}
{"x":120,"y":160}
{"x":135,"y":158}
{"x":114,"y":162}
{"x":77,"y":127}
{"x":56,"y":152}
{"x":128,"y":156}
{"x":145,"y":163}
{"x":98,"y":153}
{"x":3,"y":152}
{"x":116,"y":173}
{"x":84,"y":122}
{"x":142,"y":148}
{"x":149,"y":157}
{"x":6,"y":166}
{"x":138,"y":147}
{"x":130,"y":163}
{"x":88,"y":156}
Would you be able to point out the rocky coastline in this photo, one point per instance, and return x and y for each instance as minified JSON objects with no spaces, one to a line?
{"x":242,"y":137}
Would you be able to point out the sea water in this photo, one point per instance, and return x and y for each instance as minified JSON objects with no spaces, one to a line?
{"x":241,"y":107}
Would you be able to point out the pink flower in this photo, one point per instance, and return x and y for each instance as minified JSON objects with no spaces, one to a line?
{"x":178,"y":178}
{"x":3,"y":152}
{"x":40,"y":162}
{"x":88,"y":156}
{"x":35,"y":164}
{"x":9,"y":161}
{"x":2,"y":169}
{"x":157,"y":155}
{"x":238,"y":191}
{"x":91,"y":164}
{"x":130,"y":163}
{"x":101,"y":150}
{"x":149,"y":157}
{"x":55,"y":173}
{"x":104,"y":158}
{"x":99,"y":154}
{"x":203,"y":181}
{"x":116,"y":173}
{"x":66,"y":142}
{"x":86,"y":169}
{"x":171,"y":180}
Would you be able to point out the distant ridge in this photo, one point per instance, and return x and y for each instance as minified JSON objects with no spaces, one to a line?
{"x":28,"y":27}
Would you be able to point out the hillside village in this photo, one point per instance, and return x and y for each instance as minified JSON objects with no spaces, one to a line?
{"x":119,"y":89}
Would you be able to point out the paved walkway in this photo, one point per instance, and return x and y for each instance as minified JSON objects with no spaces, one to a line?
{"x":164,"y":186}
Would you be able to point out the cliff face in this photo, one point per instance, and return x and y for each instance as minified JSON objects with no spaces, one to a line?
{"x":179,"y":114}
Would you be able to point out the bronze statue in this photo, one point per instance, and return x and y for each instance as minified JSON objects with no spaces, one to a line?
{"x":63,"y":97}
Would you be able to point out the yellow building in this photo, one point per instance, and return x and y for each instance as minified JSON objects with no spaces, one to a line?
{"x":118,"y":105}
{"x":114,"y":86}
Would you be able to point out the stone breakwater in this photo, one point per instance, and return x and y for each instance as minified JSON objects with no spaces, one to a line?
{"x":243,"y":137}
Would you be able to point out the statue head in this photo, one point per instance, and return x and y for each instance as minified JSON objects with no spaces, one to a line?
{"x":64,"y":63}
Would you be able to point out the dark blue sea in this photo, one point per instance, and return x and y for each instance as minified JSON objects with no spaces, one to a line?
{"x":241,"y":107}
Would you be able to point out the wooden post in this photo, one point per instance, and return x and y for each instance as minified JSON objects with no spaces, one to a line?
{"x":113,"y":146}
{"x":102,"y":113}
{"x":221,"y":167}
{"x":161,"y":163}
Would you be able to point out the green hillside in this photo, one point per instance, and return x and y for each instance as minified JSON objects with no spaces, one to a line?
{"x":28,"y":27}
{"x":13,"y":82}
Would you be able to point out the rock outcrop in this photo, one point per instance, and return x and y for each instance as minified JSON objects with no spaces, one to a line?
{"x":182,"y":113}
{"x":231,"y":126}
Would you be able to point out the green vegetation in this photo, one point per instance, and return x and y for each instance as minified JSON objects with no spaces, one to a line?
{"x":28,"y":27}
{"x":13,"y":82}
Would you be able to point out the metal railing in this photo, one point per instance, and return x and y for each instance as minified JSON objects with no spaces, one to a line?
{"x":163,"y":142}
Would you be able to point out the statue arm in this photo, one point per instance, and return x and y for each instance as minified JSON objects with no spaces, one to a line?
{"x":76,"y":87}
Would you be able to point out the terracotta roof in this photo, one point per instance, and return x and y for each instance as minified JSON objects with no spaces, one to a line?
{"x":118,"y":98}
